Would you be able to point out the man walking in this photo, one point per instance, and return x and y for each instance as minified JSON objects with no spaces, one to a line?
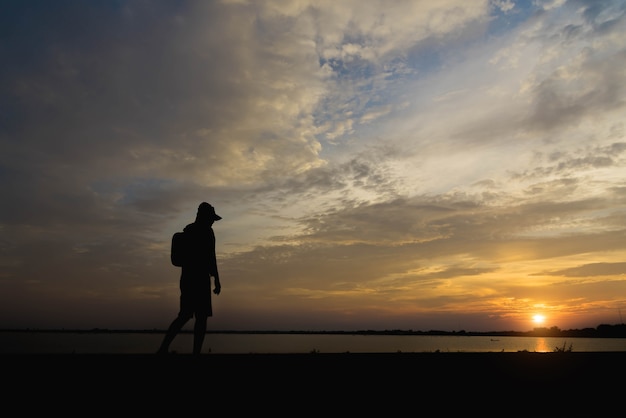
{"x":199,"y":265}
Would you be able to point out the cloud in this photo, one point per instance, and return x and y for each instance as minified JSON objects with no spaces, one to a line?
{"x":594,"y":269}
{"x":365,"y":156}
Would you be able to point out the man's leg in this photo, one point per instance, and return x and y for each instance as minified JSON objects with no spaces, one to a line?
{"x":175,"y":327}
{"x":199,"y":331}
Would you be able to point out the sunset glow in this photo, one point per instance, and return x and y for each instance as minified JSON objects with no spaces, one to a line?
{"x":379,"y":164}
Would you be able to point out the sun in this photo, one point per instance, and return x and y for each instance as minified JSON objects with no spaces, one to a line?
{"x":538,"y":319}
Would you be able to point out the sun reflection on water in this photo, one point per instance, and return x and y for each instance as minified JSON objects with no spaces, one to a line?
{"x":541,"y":347}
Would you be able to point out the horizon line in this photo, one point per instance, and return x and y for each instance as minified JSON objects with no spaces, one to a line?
{"x":267,"y":331}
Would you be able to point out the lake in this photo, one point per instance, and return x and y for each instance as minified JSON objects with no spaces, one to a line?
{"x":229,"y":343}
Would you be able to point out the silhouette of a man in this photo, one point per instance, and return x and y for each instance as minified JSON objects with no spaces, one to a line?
{"x":200,"y":264}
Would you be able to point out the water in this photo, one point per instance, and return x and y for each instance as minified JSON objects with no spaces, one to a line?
{"x":141,"y":343}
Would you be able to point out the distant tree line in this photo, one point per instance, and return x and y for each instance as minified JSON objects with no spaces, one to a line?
{"x":601,"y":331}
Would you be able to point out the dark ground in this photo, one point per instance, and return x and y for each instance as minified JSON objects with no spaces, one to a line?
{"x":388,"y":384}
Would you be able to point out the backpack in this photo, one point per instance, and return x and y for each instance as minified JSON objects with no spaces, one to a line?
{"x":179,"y":249}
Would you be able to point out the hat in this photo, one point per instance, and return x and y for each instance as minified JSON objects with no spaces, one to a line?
{"x":206,"y":209}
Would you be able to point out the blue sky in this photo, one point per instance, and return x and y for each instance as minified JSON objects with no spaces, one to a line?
{"x":377,"y":164}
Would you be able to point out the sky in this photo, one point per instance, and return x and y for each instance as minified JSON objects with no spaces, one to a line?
{"x":416,"y":165}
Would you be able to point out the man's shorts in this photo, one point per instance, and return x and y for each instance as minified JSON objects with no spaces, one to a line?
{"x":195,"y":296}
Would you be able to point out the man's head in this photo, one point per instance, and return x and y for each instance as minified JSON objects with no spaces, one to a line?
{"x":206,"y":212}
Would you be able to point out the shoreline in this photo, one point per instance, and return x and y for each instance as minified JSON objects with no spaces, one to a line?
{"x":524,"y":383}
{"x":520,"y":366}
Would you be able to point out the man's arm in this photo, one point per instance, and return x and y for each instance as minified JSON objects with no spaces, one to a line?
{"x":216,"y":275}
{"x":217,"y":285}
